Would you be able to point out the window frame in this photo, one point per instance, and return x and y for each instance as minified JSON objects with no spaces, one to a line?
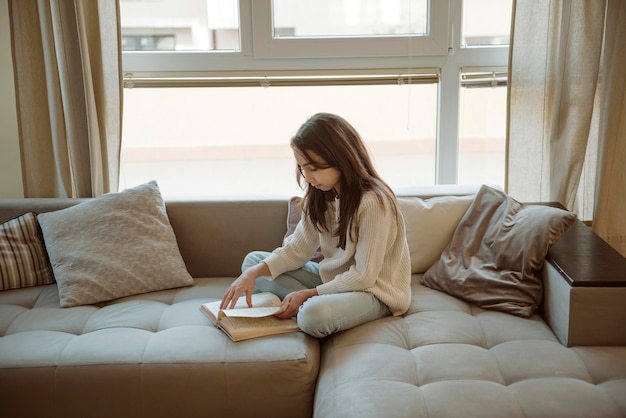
{"x":260,"y":57}
{"x":265,"y":45}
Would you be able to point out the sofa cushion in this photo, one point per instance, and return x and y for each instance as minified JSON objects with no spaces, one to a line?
{"x":449,"y":358}
{"x":23,"y":259}
{"x":148,"y":355}
{"x":115,"y":245}
{"x":497,"y":252}
{"x":430,"y":224}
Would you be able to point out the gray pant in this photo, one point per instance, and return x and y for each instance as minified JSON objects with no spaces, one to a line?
{"x":320,"y":315}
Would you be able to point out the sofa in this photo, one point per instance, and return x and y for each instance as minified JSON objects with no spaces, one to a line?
{"x":152,"y":353}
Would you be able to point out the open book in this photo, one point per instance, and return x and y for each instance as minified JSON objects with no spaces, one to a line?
{"x":243,"y":322}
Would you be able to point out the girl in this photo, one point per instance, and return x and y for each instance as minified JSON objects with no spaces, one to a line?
{"x":352,"y":215}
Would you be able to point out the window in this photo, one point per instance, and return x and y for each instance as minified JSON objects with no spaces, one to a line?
{"x":482,"y":127}
{"x":245,"y":150}
{"x":328,"y":18}
{"x":215,"y":91}
{"x":206,"y":25}
{"x":349,"y":28}
{"x":486,"y":22}
{"x":162,"y":42}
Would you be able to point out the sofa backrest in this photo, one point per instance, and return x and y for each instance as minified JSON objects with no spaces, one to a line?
{"x":215,"y":235}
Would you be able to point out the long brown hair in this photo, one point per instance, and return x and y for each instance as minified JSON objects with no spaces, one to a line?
{"x":334,"y":140}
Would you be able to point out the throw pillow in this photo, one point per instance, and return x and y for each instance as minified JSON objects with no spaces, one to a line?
{"x":497,"y":252}
{"x":430,"y":224}
{"x":115,"y":245}
{"x":23,"y":259}
{"x":294,"y":214}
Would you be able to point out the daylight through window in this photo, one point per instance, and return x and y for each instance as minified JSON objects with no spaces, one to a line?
{"x":214,"y":89}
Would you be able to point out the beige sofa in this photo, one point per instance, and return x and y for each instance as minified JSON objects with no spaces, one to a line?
{"x":156,"y":355}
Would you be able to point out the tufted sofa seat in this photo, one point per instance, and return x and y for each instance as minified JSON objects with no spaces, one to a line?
{"x":448,"y":358}
{"x":155,"y":355}
{"x":120,"y":358}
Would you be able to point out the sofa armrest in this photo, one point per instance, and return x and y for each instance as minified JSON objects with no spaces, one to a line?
{"x":586,"y":260}
{"x":585,"y":289}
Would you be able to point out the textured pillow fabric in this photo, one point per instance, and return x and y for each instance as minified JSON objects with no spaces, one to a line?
{"x":115,"y":245}
{"x":497,"y":252}
{"x":430,"y":224}
{"x":23,"y":258}
{"x":294,"y":215}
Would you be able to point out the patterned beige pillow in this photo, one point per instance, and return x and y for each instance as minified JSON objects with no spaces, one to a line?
{"x":115,"y":245}
{"x":23,"y":259}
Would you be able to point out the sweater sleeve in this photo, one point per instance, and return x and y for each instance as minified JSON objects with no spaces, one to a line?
{"x":297,"y":249}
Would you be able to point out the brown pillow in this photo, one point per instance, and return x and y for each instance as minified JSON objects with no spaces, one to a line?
{"x":23,"y":258}
{"x":496,"y":254}
{"x":294,"y":214}
{"x":115,"y":245}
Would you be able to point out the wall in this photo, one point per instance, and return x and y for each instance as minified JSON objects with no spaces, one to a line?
{"x":10,"y":167}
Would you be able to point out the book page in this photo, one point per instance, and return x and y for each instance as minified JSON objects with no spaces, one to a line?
{"x":263,"y":304}
{"x":243,"y":322}
{"x":251,"y":312}
{"x":258,"y":300}
{"x":256,"y":324}
{"x":239,"y":329}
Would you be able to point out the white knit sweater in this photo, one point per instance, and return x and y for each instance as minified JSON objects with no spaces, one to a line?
{"x":377,"y":262}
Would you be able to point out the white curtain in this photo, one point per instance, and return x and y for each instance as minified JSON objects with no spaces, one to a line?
{"x":68,"y":76}
{"x":566,"y":135}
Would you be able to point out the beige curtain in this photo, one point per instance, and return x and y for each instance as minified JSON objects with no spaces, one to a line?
{"x":566,"y":131}
{"x":68,"y":77}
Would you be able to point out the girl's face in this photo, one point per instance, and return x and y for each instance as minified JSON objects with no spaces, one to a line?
{"x":317,"y":172}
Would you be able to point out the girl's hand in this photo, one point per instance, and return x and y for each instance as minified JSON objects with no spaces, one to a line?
{"x":244,"y":284}
{"x":293,"y":301}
